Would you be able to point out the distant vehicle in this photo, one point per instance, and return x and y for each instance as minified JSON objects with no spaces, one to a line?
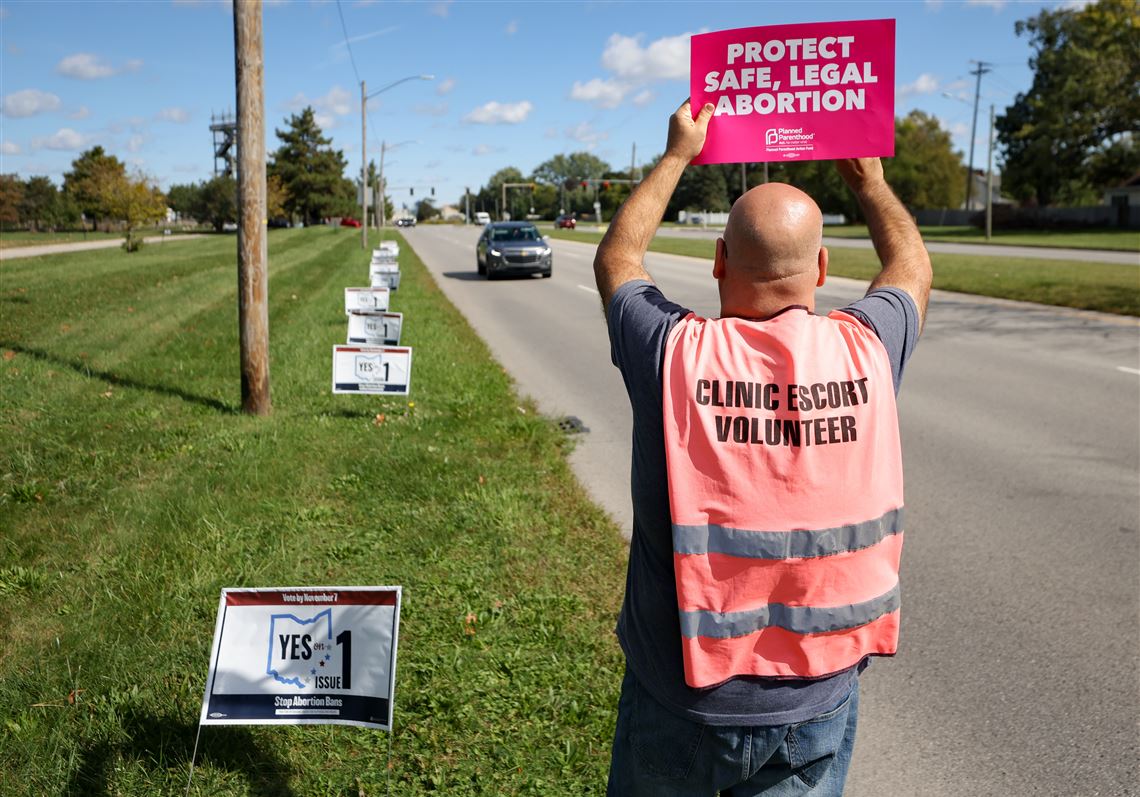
{"x":565,"y":222}
{"x":512,"y":247}
{"x":349,"y":222}
{"x":229,"y":226}
{"x":406,"y":221}
{"x":279,"y":223}
{"x":482,"y":218}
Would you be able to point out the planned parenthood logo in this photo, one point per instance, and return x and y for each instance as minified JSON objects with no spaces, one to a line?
{"x":298,"y":649}
{"x":790,"y":142}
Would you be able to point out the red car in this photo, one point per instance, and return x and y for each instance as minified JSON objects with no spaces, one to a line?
{"x":347,"y":222}
{"x":568,"y":222}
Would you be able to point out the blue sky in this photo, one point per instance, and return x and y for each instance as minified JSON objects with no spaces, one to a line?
{"x":515,"y":82}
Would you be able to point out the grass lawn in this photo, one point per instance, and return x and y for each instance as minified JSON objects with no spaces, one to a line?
{"x":132,"y":490}
{"x":11,"y":240}
{"x":1120,"y":240}
{"x":1107,"y":287}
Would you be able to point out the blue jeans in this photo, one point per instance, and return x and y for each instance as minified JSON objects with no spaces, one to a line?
{"x":660,"y":754}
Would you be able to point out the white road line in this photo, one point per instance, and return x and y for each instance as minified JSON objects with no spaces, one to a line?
{"x":1118,"y":368}
{"x":591,"y":290}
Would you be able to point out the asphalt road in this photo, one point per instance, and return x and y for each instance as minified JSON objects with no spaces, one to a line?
{"x":943,"y":247}
{"x":1018,"y":671}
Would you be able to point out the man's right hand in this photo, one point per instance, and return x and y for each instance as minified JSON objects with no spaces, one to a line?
{"x":859,"y":173}
{"x":686,"y":134}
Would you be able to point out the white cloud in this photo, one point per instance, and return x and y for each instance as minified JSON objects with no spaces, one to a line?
{"x":925,"y":83}
{"x":441,"y":9}
{"x":603,"y":93}
{"x":135,"y":143}
{"x":643,"y":98}
{"x":179,"y":116}
{"x":327,"y":109}
{"x":63,"y":139}
{"x":29,"y":102}
{"x":500,"y":113}
{"x":584,"y":133}
{"x":85,"y":66}
{"x":9,"y":147}
{"x":632,"y":67}
{"x":996,"y":5}
{"x":485,"y":149}
{"x":430,"y":109}
{"x":82,"y":112}
{"x":445,"y":87}
{"x":666,"y":58}
{"x":365,"y":36}
{"x":512,"y":27}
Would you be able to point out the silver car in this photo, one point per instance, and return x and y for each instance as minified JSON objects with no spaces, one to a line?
{"x":512,"y":247}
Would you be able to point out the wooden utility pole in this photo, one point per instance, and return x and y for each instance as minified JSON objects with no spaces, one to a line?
{"x":363,"y":168}
{"x":253,"y":275}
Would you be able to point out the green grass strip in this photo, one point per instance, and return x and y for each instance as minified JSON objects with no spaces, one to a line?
{"x":132,"y":490}
{"x":1107,"y":287}
{"x":1113,"y":240}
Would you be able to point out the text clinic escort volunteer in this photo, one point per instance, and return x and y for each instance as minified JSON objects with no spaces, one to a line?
{"x":783,"y":431}
{"x":775,"y":50}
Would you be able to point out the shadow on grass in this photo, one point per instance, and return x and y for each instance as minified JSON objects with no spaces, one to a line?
{"x":84,"y":369}
{"x":163,"y":744}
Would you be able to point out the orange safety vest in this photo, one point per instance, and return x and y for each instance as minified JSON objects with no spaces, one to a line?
{"x":786,"y":494}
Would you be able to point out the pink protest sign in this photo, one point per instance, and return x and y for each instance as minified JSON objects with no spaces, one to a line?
{"x":814,"y":91}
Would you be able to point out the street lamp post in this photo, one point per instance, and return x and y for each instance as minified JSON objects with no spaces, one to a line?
{"x":381,"y":211}
{"x":364,"y":98}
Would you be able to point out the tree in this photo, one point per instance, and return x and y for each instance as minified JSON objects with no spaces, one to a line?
{"x":573,"y":167}
{"x":38,"y":206}
{"x":311,"y":171}
{"x":1072,"y":133}
{"x":276,"y":197}
{"x":425,"y":210}
{"x":11,"y":198}
{"x":92,"y":174}
{"x":135,"y":201}
{"x":183,"y":199}
{"x":701,"y":188}
{"x":216,"y":202}
{"x":925,"y":172}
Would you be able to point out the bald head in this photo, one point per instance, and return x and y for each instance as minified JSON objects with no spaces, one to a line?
{"x":774,"y":232}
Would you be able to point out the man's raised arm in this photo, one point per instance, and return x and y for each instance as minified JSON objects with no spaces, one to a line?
{"x":906,"y":263}
{"x":622,"y":250}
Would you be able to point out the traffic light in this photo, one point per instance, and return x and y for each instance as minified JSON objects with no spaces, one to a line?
{"x":605,"y":184}
{"x":433,"y":190}
{"x":411,"y":192}
{"x":585,"y":183}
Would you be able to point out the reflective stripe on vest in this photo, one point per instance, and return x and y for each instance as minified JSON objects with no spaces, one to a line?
{"x":786,"y":494}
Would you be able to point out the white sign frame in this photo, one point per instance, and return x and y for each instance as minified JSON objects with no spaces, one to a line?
{"x":347,"y":364}
{"x":366,"y":300}
{"x":384,"y":275}
{"x":269,"y":698}
{"x":358,"y":328}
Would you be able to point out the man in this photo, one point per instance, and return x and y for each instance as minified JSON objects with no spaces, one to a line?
{"x":766,"y":484}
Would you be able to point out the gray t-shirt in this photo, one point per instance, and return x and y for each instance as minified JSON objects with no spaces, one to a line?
{"x":640,"y":319}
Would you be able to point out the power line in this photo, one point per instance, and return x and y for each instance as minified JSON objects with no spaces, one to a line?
{"x":347,"y":45}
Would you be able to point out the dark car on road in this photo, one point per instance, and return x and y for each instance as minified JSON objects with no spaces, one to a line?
{"x":406,"y":221}
{"x":565,"y":222}
{"x":512,"y":247}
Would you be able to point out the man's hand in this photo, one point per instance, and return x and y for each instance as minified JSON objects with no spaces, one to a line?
{"x":686,"y":134}
{"x":906,"y":265}
{"x":622,"y":250}
{"x":859,"y":173}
